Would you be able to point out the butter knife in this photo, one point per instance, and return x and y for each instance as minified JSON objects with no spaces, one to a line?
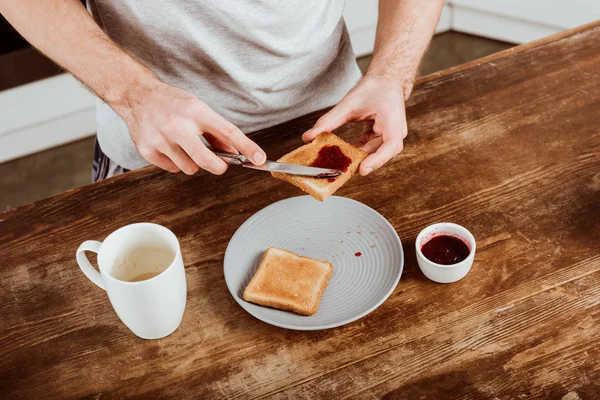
{"x":272,"y":166}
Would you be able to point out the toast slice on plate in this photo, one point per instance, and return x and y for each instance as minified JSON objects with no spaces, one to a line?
{"x":287,"y":281}
{"x":326,"y":151}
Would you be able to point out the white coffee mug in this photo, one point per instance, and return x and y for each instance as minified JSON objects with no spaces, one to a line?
{"x":151,"y":308}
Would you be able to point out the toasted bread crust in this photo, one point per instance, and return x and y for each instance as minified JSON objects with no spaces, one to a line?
{"x":307,"y":306}
{"x":320,"y":189}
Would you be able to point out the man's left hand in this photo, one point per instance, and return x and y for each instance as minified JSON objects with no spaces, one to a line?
{"x":380,"y":104}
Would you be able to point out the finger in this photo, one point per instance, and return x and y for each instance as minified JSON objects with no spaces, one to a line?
{"x":372,"y":145}
{"x":383,"y":154}
{"x":333,"y":119}
{"x":160,"y":160}
{"x":201,"y":155}
{"x":181,"y":159}
{"x":219,"y":144}
{"x":165,"y":163}
{"x":391,"y":126}
{"x":230,"y":134}
{"x":368,"y":136}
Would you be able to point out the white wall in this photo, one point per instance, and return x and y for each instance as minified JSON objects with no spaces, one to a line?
{"x":44,"y":114}
{"x":361,"y":20}
{"x":560,"y":14}
{"x":59,"y":110}
{"x":521,"y":21}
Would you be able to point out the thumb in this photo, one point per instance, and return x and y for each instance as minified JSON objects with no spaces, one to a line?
{"x":333,"y":119}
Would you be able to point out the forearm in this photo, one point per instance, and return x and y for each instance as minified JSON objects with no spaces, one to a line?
{"x":66,"y":33}
{"x":164,"y":121}
{"x":404,"y":30}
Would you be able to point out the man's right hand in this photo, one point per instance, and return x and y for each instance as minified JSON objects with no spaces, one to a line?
{"x":164,"y":122}
{"x":165,"y":125}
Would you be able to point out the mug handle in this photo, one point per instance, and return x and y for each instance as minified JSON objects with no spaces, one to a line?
{"x":85,"y":265}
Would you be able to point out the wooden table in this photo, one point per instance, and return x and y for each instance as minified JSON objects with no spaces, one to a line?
{"x":508,"y":146}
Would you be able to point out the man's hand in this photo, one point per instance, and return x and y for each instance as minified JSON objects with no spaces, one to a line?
{"x":165,"y":127}
{"x":404,"y":29}
{"x":378,"y":102}
{"x":164,"y":122}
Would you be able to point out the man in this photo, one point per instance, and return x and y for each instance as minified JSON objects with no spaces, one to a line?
{"x":169,"y":71}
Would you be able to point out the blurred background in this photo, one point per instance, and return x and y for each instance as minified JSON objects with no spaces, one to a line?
{"x":47,"y":119}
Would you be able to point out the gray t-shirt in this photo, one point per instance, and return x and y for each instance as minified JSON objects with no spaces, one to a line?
{"x":255,"y":62}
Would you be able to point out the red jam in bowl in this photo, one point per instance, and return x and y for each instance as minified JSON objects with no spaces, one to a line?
{"x":445,"y":250}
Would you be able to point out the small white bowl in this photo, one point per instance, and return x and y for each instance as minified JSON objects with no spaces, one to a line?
{"x":445,"y":273}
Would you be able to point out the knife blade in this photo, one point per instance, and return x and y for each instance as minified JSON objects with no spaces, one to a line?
{"x":273,"y":166}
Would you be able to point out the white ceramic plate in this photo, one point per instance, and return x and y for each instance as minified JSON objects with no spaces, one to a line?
{"x":331,"y":231}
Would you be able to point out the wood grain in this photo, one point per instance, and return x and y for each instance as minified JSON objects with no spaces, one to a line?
{"x":508,"y":146}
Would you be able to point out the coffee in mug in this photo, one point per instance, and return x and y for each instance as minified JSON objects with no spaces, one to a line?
{"x":141,"y":263}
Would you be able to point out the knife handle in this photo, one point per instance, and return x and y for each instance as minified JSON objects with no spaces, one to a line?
{"x":235,"y":159}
